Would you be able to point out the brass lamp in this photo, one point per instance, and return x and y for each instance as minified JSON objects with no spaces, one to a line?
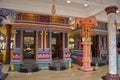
{"x":53,"y":9}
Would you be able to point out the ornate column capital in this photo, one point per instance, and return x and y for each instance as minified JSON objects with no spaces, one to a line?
{"x":111,"y":9}
{"x":7,"y":16}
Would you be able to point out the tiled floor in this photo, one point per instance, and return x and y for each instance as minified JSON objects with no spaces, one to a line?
{"x":69,"y":74}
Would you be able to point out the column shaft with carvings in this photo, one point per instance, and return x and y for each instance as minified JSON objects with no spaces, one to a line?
{"x":8,"y":41}
{"x":112,"y":74}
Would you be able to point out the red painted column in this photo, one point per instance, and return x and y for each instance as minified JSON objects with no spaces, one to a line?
{"x":8,"y":41}
{"x":36,"y":45}
{"x":21,"y":45}
{"x":86,"y":57}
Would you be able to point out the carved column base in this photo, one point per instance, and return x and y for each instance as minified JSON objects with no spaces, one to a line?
{"x":86,"y":69}
{"x":111,"y":77}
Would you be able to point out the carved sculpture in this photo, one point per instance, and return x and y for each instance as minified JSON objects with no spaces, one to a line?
{"x":86,"y":24}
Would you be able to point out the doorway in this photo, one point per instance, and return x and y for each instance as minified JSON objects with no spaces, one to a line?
{"x":57,"y":45}
{"x":95,"y":46}
{"x":29,"y":44}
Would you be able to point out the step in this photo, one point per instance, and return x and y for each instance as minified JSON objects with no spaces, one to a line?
{"x":28,"y":67}
{"x":57,"y":65}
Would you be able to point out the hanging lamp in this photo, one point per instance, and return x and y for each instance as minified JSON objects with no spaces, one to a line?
{"x":53,"y":9}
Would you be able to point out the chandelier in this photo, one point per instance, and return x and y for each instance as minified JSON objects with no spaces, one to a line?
{"x":53,"y":9}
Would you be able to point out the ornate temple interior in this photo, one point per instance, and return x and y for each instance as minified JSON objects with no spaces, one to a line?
{"x":65,"y":40}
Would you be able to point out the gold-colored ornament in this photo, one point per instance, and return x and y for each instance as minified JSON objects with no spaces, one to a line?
{"x":53,"y":10}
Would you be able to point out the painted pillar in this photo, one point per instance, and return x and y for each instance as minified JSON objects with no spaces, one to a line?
{"x":21,"y":45}
{"x":50,"y":45}
{"x":63,"y":45}
{"x":36,"y":45}
{"x":6,"y":18}
{"x":68,"y":40}
{"x":112,"y":74}
{"x":8,"y":41}
{"x":86,"y":57}
{"x":67,"y":50}
{"x":43,"y":35}
{"x":45,"y":39}
{"x":41,"y":39}
{"x":86,"y":33}
{"x":86,"y":24}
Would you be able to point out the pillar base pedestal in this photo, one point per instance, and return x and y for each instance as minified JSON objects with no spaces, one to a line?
{"x":111,"y":77}
{"x":86,"y":69}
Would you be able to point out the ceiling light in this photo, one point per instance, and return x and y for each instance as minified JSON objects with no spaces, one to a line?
{"x":85,"y":4}
{"x":117,"y":11}
{"x":68,"y":1}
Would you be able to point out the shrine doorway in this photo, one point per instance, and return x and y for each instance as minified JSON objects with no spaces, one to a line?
{"x":57,"y":45}
{"x":29,"y":44}
{"x":95,"y":46}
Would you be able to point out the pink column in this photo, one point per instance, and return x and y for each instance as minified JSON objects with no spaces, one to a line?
{"x":86,"y":57}
{"x":86,"y":24}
